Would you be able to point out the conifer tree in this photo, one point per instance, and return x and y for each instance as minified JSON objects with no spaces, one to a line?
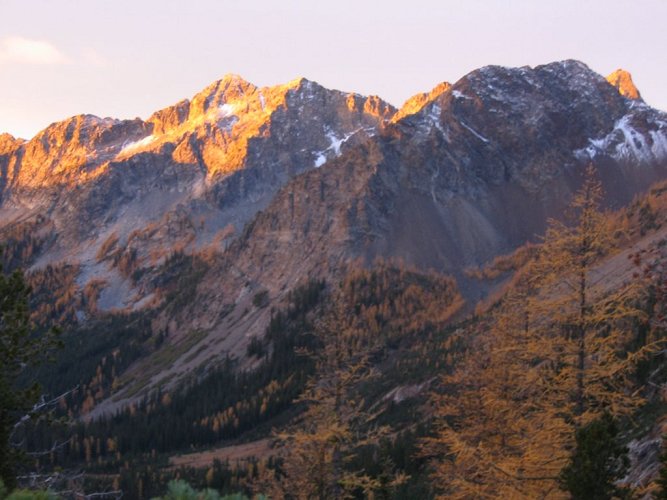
{"x":661,"y":494}
{"x":318,"y":449}
{"x":583,"y":329}
{"x":597,"y":463}
{"x":20,"y":350}
{"x":555,"y":356}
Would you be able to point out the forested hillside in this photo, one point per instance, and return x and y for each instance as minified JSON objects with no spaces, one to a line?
{"x":384,"y":383}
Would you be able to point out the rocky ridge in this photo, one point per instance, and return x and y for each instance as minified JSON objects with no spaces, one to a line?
{"x":474,"y":173}
{"x":317,"y":178}
{"x":190,"y":175}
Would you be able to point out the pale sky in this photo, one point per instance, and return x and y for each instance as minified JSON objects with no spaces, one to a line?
{"x":128,"y":58}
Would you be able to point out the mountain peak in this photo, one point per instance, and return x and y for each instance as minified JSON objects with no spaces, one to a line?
{"x":9,"y":143}
{"x":233,"y":78}
{"x":415,"y":103}
{"x":622,"y":80}
{"x":230,"y":87}
{"x":298,"y":84}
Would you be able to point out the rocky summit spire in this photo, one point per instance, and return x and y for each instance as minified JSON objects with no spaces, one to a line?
{"x":415,"y":103}
{"x":622,"y":80}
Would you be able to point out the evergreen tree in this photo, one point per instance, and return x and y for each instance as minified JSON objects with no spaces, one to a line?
{"x":318,"y":450}
{"x":662,"y":480}
{"x":20,"y":349}
{"x":598,"y":462}
{"x":559,"y":352}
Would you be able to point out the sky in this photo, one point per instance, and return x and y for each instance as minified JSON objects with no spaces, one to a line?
{"x":128,"y":58}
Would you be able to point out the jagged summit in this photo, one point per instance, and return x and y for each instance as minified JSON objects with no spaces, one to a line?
{"x":217,"y":129}
{"x":417,"y":102}
{"x":622,"y":80}
{"x":300,"y":81}
{"x":9,"y":142}
{"x":209,"y":162}
{"x":569,"y":75}
{"x":494,"y":81}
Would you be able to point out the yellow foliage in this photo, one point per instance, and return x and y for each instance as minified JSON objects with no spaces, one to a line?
{"x":558,"y":352}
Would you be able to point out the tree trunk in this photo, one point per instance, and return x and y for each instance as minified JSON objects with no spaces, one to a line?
{"x":581,"y":354}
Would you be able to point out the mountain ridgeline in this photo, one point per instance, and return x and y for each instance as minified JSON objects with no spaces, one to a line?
{"x":199,"y":245}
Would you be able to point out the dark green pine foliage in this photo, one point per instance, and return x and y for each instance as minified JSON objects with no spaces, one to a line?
{"x":20,"y":350}
{"x":662,"y":480}
{"x":597,"y":463}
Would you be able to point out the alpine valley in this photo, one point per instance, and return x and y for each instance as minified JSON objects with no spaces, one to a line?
{"x":198,"y":261}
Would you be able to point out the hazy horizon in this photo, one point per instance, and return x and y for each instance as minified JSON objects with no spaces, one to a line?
{"x":125,"y":60}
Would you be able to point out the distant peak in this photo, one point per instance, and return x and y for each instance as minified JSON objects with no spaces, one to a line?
{"x":415,"y":103}
{"x":622,"y":80}
{"x":300,"y":82}
{"x":228,"y":81}
{"x":439,"y":89}
{"x":7,"y":137}
{"x":233,"y":78}
{"x":8,"y":143}
{"x":82,"y":122}
{"x":569,"y":64}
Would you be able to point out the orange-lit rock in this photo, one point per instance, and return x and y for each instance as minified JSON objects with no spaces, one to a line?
{"x":622,"y":80}
{"x":412,"y":105}
{"x":9,"y":144}
{"x":215,"y":130}
{"x":418,"y":101}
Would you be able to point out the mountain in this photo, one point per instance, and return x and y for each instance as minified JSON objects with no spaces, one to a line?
{"x":476,"y":172}
{"x":192,"y":174}
{"x":192,"y":247}
{"x":415,"y":103}
{"x":278,"y":184}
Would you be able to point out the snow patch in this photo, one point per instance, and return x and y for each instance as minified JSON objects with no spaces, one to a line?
{"x":659,"y":140}
{"x":320,"y":160}
{"x":434,"y":117}
{"x":227,"y":116}
{"x":474,"y":132}
{"x":226,"y":110}
{"x":460,"y":95}
{"x":403,"y":392}
{"x":335,"y":146}
{"x":133,"y":146}
{"x":434,"y":176}
{"x":336,"y":142}
{"x":625,"y":142}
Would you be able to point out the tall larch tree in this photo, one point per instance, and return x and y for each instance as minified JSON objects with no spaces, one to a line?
{"x":320,"y":446}
{"x":557,"y":354}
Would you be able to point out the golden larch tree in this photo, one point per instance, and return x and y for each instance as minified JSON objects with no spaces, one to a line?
{"x":559,"y":351}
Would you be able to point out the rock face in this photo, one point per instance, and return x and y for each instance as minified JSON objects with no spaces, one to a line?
{"x":418,"y":101}
{"x":622,"y":80}
{"x":474,"y":173}
{"x":191,"y":174}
